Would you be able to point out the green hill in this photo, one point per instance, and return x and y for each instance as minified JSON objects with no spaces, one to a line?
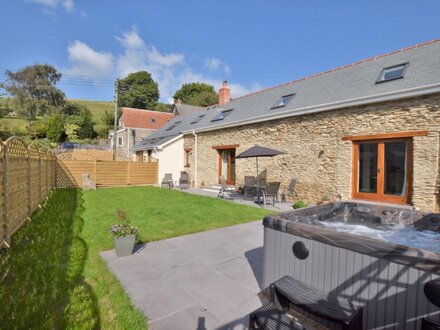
{"x":17,"y":126}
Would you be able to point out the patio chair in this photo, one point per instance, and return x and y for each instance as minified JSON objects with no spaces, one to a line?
{"x":291,"y":190}
{"x":167,"y":181}
{"x":271,"y":191}
{"x":249,"y":188}
{"x":224,"y":188}
{"x":184,"y":180}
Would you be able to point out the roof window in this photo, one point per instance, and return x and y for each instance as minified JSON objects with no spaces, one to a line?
{"x":174,"y":125}
{"x":196,"y":120}
{"x":283,"y":101}
{"x":392,"y":73}
{"x":222,"y":115}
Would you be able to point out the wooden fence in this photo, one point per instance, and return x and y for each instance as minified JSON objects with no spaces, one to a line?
{"x":105,"y":173}
{"x":27,"y":176}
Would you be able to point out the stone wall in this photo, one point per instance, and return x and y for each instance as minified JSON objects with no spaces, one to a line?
{"x":318,"y":157}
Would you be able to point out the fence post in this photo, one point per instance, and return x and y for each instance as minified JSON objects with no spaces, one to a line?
{"x":96,"y":172}
{"x":128,"y":172}
{"x":6,"y":195}
{"x":29,"y":183}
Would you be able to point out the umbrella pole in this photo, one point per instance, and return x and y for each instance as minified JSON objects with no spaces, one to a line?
{"x":257,"y":171}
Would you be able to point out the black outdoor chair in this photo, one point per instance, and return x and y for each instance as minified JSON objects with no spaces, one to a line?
{"x":167,"y":181}
{"x":249,"y":189}
{"x":184,"y":180}
{"x":271,"y":191}
{"x":291,"y":190}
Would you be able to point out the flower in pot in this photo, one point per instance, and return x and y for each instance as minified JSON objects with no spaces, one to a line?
{"x":124,"y":235}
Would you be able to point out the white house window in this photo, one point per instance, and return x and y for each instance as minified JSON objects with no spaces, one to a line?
{"x":392,"y":73}
{"x":120,"y":141}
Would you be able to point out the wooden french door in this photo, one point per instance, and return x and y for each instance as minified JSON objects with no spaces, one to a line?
{"x":382,"y":170}
{"x":226,"y":165}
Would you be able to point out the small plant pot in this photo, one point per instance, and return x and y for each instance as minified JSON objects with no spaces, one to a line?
{"x":124,"y":245}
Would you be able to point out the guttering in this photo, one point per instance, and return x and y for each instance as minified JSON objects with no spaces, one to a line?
{"x":390,"y":96}
{"x":158,"y":146}
{"x":195,"y":159}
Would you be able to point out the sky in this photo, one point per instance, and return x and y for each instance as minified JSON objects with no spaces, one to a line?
{"x":252,"y":44}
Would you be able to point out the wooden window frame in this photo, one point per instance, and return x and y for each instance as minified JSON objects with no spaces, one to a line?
{"x":383,"y":136}
{"x":231,"y":146}
{"x":379,"y":196}
{"x":229,"y":179}
{"x":187,"y":153}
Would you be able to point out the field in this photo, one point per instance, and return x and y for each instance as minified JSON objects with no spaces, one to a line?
{"x":16,"y":126}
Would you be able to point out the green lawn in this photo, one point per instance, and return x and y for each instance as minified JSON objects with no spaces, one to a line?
{"x":52,"y":277}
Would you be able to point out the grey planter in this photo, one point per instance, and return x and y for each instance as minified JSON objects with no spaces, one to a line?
{"x":124,"y":245}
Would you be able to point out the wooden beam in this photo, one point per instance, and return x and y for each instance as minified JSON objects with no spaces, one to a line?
{"x":232,"y":146}
{"x":395,"y":135}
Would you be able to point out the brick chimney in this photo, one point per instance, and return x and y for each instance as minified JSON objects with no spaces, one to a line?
{"x":177,"y":101}
{"x":224,"y":94}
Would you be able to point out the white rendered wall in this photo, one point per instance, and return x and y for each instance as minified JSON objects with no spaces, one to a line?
{"x":171,"y":159}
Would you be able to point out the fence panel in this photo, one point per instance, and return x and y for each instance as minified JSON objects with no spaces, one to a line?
{"x":143,"y":173}
{"x":70,"y":172}
{"x":105,"y":173}
{"x":110,"y":173}
{"x":2,"y":196}
{"x":43,"y":174}
{"x":17,"y":184}
{"x":34,"y":180}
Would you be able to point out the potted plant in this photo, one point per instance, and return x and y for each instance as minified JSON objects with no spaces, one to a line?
{"x":124,"y":235}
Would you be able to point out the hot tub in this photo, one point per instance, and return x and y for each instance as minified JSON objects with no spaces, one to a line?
{"x":376,"y":256}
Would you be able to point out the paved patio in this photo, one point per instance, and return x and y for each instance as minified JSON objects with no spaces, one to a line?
{"x":208,"y":280}
{"x":238,"y":198}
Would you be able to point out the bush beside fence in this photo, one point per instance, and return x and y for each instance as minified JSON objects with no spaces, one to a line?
{"x":27,"y":176}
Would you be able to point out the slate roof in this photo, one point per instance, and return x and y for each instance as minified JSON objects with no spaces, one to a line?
{"x":140,"y":118}
{"x":181,"y":109}
{"x":349,"y":82}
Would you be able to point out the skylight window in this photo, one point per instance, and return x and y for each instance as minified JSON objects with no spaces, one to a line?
{"x":222,"y":115}
{"x":174,"y":125}
{"x":283,"y":101}
{"x":196,"y":120}
{"x":392,"y":73}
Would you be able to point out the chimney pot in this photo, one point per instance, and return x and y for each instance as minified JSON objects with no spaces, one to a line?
{"x":177,"y":101}
{"x":224,"y":94}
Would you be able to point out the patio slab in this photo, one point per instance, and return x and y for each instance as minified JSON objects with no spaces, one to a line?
{"x":238,"y":198}
{"x":208,"y":280}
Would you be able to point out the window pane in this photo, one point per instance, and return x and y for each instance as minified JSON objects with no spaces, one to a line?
{"x":368,"y":168}
{"x":395,"y":168}
{"x":393,"y":73}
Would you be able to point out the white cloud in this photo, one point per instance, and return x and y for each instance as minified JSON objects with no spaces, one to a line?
{"x":86,"y":62}
{"x":52,"y":5}
{"x":170,"y":70}
{"x":215,"y":64}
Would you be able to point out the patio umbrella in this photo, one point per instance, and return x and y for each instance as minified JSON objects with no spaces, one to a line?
{"x":259,"y":151}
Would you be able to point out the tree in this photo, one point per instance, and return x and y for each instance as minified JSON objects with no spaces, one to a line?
{"x":34,"y":91}
{"x":55,"y":128}
{"x":138,"y":90}
{"x":81,"y":117}
{"x":200,"y":94}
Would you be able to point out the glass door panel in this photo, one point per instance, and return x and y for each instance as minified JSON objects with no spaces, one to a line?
{"x":368,"y":157}
{"x":395,"y":168}
{"x":224,"y":172}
